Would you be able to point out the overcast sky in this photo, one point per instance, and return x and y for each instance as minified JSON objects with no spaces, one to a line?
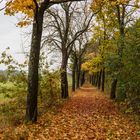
{"x":12,"y":36}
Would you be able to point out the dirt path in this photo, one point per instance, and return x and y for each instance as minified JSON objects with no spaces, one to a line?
{"x":88,"y":115}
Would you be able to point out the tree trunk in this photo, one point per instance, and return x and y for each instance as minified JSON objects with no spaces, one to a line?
{"x":73,"y":75}
{"x":78,"y":72}
{"x":94,"y":79}
{"x":99,"y":79}
{"x":64,"y":81}
{"x":113,"y":89}
{"x":92,"y":82}
{"x":121,"y":20}
{"x":31,"y":108}
{"x":103,"y":79}
{"x":90,"y":79}
{"x":82,"y":78}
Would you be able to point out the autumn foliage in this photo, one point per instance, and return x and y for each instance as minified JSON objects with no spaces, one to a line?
{"x":101,"y":51}
{"x":87,"y":115}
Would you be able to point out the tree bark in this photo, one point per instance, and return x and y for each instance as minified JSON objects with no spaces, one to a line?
{"x":31,"y":108}
{"x":113,"y":89}
{"x":95,"y":79}
{"x":99,"y":79}
{"x":103,"y":79}
{"x":73,"y":75}
{"x":82,"y":78}
{"x":64,"y":81}
{"x":78,"y":71}
{"x":92,"y":80}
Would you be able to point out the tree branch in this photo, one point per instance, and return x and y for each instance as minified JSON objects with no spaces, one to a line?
{"x":80,"y":32}
{"x":62,"y":1}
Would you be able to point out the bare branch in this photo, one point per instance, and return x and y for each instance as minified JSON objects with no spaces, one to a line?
{"x":62,"y":1}
{"x":81,"y":31}
{"x":57,"y":22}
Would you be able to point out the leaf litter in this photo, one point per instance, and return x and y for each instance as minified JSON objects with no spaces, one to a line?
{"x":87,"y":115}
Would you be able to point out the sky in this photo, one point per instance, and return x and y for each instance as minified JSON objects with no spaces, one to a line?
{"x":12,"y":37}
{"x":17,"y":39}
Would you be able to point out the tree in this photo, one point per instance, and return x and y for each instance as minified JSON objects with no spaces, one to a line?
{"x":65,"y":29}
{"x":93,"y":66}
{"x":123,"y":14}
{"x":33,"y":11}
{"x":130,"y":79}
{"x":77,"y":57}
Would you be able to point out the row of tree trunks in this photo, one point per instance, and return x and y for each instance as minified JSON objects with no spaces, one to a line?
{"x":98,"y":79}
{"x":78,"y":76}
{"x":31,"y":107}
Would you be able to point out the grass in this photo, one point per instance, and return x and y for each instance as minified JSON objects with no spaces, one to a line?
{"x":6,"y":90}
{"x":69,"y":84}
{"x":3,"y":99}
{"x":9,"y":90}
{"x":13,"y":103}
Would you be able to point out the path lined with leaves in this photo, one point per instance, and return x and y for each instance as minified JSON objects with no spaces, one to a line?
{"x":88,"y":115}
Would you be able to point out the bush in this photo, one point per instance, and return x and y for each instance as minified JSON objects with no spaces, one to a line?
{"x":49,"y":93}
